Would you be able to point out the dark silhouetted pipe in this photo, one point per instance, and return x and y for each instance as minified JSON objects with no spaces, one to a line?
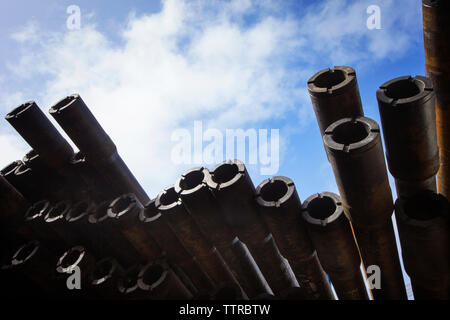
{"x":201,"y":204}
{"x":79,"y":123}
{"x":175,"y":249}
{"x":12,"y":206}
{"x":355,"y":152}
{"x":37,"y":130}
{"x":104,"y":278}
{"x":423,"y":226}
{"x":173,"y":210}
{"x":280,"y":208}
{"x":127,"y":284}
{"x":334,"y":95}
{"x":162,"y":283}
{"x":229,"y":292}
{"x":124,"y":214}
{"x":408,"y":118}
{"x":332,"y":236}
{"x":436,"y":36}
{"x":235,"y":193}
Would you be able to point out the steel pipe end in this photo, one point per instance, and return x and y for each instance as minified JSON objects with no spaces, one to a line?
{"x":150,"y":213}
{"x":226,"y":174}
{"x":57,"y":212}
{"x":275,"y":192}
{"x":191,"y":181}
{"x":100,"y":214}
{"x":37,"y":210}
{"x":322,"y":209}
{"x":16,"y":112}
{"x":331,"y":81}
{"x":70,"y":259}
{"x":152,"y":275}
{"x":126,"y":204}
{"x":437,"y":4}
{"x":128,"y":282}
{"x":405,"y":91}
{"x":11,"y":168}
{"x":351,"y":135}
{"x":64,"y":103}
{"x":168,"y":199}
{"x":79,"y":211}
{"x":104,"y":270}
{"x":30,"y":156}
{"x":25,"y":253}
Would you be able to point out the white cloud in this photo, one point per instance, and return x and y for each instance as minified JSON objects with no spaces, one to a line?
{"x":12,"y":149}
{"x":193,"y":60}
{"x":27,"y":33}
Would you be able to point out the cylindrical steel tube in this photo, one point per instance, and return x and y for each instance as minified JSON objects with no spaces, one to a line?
{"x":235,"y":193}
{"x":354,"y":149}
{"x":334,"y":95}
{"x":79,"y":123}
{"x":124,"y":214}
{"x":174,"y":248}
{"x":127,"y":284}
{"x":104,"y":278}
{"x":173,"y":210}
{"x":162,"y":283}
{"x":280,"y":208}
{"x":12,"y":205}
{"x":201,"y":204}
{"x":408,"y":119}
{"x":29,"y":183}
{"x":29,"y":272}
{"x":37,"y":130}
{"x":436,"y":35}
{"x":423,"y":226}
{"x":332,"y":236}
{"x":8,"y":173}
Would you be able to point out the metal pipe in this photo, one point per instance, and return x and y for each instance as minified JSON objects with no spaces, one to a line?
{"x":124,"y":214}
{"x":175,"y":249}
{"x":280,"y":208}
{"x":235,"y":193}
{"x":37,"y":130}
{"x":354,"y":149}
{"x":12,"y":206}
{"x":161,"y":283}
{"x":408,"y":119}
{"x":104,"y":278}
{"x":29,"y":183}
{"x":201,"y":204}
{"x":172,"y":208}
{"x":127,"y":284}
{"x":332,"y":236}
{"x":423,"y":226}
{"x":436,"y":35}
{"x":8,"y":173}
{"x":334,"y":95}
{"x":76,"y":257}
{"x":28,"y":272}
{"x":79,"y":123}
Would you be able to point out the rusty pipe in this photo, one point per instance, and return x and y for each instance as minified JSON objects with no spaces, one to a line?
{"x":172,"y":208}
{"x":280,"y":208}
{"x":161,"y":283}
{"x":123,"y":213}
{"x":334,"y":95}
{"x":436,"y":35}
{"x":354,"y":149}
{"x":235,"y":193}
{"x":423,"y":226}
{"x":408,"y":119}
{"x":79,"y":123}
{"x":201,"y":204}
{"x":104,"y":278}
{"x":175,"y":250}
{"x":332,"y":236}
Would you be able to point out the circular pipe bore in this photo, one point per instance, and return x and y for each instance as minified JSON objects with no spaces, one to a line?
{"x":330,"y":78}
{"x":125,"y":204}
{"x":129,"y":281}
{"x":321,"y":208}
{"x":37,"y":210}
{"x":57,"y":212}
{"x":224,"y":172}
{"x":191,"y":179}
{"x":104,"y":270}
{"x":25,"y":252}
{"x":151,"y":276}
{"x":100,"y":214}
{"x":78,"y":211}
{"x":273,"y":191}
{"x":70,"y":259}
{"x":20,"y":109}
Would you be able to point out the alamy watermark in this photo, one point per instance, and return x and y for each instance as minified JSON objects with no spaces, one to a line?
{"x":210,"y":146}
{"x":374,"y":19}
{"x":73,"y":21}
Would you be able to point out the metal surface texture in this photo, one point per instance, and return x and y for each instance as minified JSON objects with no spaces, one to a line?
{"x":331,"y":234}
{"x":436,"y":36}
{"x":423,"y":226}
{"x":280,"y":208}
{"x":193,"y":190}
{"x":235,"y":193}
{"x":354,"y":149}
{"x":334,"y":95}
{"x":407,"y":111}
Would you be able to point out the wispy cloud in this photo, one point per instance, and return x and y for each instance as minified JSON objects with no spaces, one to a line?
{"x":198,"y":60}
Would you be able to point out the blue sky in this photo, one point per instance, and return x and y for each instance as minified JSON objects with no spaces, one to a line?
{"x":148,"y":68}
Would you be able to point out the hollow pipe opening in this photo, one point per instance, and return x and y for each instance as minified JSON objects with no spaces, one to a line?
{"x":79,"y":210}
{"x":321,"y":208}
{"x":103,"y":270}
{"x":63,"y":103}
{"x":37,"y":210}
{"x":152,"y":275}
{"x":192,"y":179}
{"x":225,"y":172}
{"x":22,"y":108}
{"x":71,"y":258}
{"x":57,"y":211}
{"x":25,"y":252}
{"x":168,"y":197}
{"x":274,"y":190}
{"x":330,"y":78}
{"x":405,"y":88}
{"x":423,"y":206}
{"x":350,"y":132}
